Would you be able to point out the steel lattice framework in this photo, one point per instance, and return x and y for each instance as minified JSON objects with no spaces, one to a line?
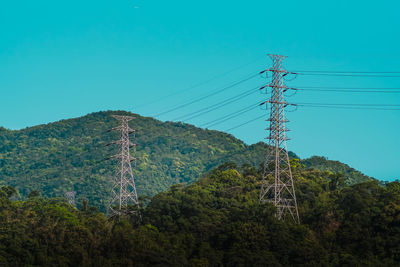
{"x":71,"y":197}
{"x":277,"y":184}
{"x":124,"y":199}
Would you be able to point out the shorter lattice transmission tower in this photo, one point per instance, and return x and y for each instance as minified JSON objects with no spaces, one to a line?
{"x":277,"y":185}
{"x":71,"y":197}
{"x":124,"y":199}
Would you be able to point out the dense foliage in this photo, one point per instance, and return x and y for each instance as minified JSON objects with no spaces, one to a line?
{"x":70,"y":155}
{"x":215,"y":221}
{"x":321,"y":163}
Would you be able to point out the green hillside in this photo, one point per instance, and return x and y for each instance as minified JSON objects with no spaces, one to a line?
{"x":70,"y":155}
{"x":321,"y":163}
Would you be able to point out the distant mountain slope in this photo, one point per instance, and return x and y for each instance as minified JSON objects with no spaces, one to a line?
{"x":323,"y":164}
{"x":70,"y":155}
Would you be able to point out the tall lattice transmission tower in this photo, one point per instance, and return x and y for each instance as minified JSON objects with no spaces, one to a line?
{"x":277,"y":185}
{"x":124,"y":199}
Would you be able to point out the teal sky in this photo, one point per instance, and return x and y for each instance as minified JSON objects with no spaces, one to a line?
{"x":63,"y":59}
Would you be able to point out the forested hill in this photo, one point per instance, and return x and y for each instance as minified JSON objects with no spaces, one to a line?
{"x":216,"y":221}
{"x":321,"y":163}
{"x":70,"y":155}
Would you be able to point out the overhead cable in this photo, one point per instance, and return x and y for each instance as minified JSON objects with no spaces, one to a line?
{"x":218,"y":105}
{"x":207,"y":96}
{"x":355,"y":104}
{"x":347,"y":91}
{"x":354,"y":72}
{"x":230,"y":115}
{"x":347,"y":107}
{"x":247,"y":122}
{"x":201,"y":83}
{"x":346,"y":75}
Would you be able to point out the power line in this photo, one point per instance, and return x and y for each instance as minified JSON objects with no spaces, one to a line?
{"x":346,"y":75}
{"x":365,"y":72}
{"x":347,"y":90}
{"x":342,"y":104}
{"x":242,"y":124}
{"x":218,"y":105}
{"x":201,"y":83}
{"x":317,"y":106}
{"x":207,"y":96}
{"x":347,"y":107}
{"x":262,"y":116}
{"x":230,"y":116}
{"x":350,"y":88}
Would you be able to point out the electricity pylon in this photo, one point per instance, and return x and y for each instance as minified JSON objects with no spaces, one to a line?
{"x":71,"y":197}
{"x":277,"y":183}
{"x":124,"y":199}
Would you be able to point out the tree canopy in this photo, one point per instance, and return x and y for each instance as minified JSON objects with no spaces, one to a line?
{"x":215,"y":221}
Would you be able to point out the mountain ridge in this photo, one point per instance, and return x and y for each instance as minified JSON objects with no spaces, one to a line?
{"x":69,"y":155}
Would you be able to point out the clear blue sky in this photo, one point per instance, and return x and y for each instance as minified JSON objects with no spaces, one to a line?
{"x":62,"y":59}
